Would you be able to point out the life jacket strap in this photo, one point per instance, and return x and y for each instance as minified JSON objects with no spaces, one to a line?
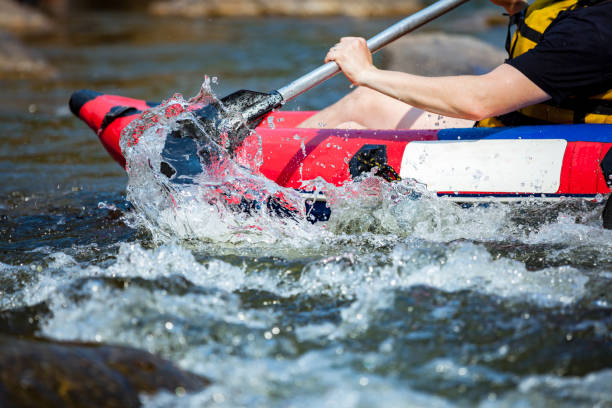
{"x":515,"y":19}
{"x":529,"y":32}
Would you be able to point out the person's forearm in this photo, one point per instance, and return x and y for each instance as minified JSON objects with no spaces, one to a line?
{"x":457,"y":96}
{"x":474,"y":97}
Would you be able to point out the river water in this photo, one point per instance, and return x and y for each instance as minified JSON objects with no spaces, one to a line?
{"x":400,"y":300}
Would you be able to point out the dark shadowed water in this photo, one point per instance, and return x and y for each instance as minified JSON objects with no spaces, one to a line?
{"x":392,"y":303}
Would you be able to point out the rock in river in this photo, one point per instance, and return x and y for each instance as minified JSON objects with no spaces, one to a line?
{"x":41,"y":373}
{"x":438,"y":54}
{"x":303,"y":8}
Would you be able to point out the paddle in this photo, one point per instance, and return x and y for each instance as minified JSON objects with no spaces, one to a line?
{"x":242,"y":111}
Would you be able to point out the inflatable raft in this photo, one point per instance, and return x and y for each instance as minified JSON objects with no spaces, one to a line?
{"x":549,"y":162}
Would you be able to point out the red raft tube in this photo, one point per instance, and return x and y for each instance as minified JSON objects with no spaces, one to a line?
{"x":469,"y":164}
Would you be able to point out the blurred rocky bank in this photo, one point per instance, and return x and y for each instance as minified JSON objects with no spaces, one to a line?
{"x":23,"y":20}
{"x":16,"y":21}
{"x":303,"y":8}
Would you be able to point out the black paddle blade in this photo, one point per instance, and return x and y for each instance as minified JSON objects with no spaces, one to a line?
{"x":252,"y":105}
{"x":223,"y":127}
{"x":236,"y":115}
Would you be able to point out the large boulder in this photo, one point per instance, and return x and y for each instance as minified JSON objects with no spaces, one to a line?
{"x":17,"y":62}
{"x":37,"y":373}
{"x":478,"y":20}
{"x":303,"y":8}
{"x":438,"y":54}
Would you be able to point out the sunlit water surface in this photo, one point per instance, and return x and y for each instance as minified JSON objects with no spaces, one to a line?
{"x":401,"y":299}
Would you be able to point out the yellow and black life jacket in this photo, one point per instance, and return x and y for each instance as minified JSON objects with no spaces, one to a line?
{"x":530,"y":25}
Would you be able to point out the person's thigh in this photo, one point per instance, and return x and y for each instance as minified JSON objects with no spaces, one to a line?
{"x":361,"y":108}
{"x":366,"y":108}
{"x":428,"y":120}
{"x":384,"y":112}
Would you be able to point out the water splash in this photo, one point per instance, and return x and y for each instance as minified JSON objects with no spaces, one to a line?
{"x":592,"y":390}
{"x":407,"y":209}
{"x":184,"y":184}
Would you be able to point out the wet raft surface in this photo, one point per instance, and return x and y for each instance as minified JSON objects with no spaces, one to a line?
{"x":396,"y":301}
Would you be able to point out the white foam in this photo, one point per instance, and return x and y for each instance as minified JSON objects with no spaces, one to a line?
{"x":567,"y":231}
{"x":43,"y":280}
{"x":470,"y":266}
{"x":592,"y":390}
{"x":453,"y":267}
{"x":407,"y":209}
{"x":370,"y":289}
{"x":149,"y":319}
{"x":316,"y":379}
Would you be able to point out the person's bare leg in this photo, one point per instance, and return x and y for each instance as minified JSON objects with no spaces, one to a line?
{"x":350,"y":125}
{"x":381,"y":111}
{"x":428,"y":120}
{"x":366,"y":108}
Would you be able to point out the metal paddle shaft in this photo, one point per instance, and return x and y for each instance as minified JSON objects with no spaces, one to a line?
{"x":411,"y":23}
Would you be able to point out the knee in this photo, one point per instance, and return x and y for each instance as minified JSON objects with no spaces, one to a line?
{"x":362,"y":100}
{"x":350,"y":125}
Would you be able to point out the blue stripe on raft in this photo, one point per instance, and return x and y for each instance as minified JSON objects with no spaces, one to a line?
{"x":571,"y":133}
